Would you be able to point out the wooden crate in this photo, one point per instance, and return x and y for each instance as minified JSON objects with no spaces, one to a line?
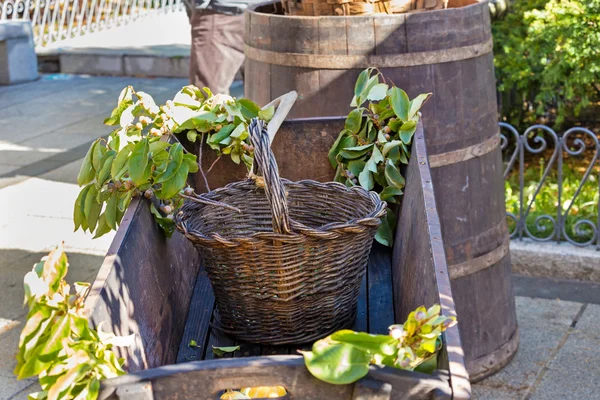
{"x":156,"y":289}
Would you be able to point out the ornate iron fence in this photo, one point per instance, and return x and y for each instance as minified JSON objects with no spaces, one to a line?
{"x":57,"y":20}
{"x":552,"y":185}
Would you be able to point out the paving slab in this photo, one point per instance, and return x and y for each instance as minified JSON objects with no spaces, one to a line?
{"x":575,"y":372}
{"x":11,"y":386}
{"x":542,"y":325}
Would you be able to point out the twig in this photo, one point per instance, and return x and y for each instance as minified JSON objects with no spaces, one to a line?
{"x":202,"y":200}
{"x":213,"y":164}
{"x":200,"y":163}
{"x":176,"y":138}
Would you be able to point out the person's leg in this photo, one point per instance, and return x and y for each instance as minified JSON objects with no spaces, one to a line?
{"x":217,"y":49}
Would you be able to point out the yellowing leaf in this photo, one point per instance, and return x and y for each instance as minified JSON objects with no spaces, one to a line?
{"x":264,"y":392}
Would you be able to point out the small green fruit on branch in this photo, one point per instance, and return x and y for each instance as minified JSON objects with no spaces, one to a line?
{"x":376,"y":141}
{"x":57,"y":343}
{"x":345,"y":356}
{"x":144,"y":155}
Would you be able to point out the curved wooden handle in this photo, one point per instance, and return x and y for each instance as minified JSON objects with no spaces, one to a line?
{"x":283,"y":105}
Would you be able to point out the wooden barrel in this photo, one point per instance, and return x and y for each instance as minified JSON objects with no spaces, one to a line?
{"x":446,"y":52}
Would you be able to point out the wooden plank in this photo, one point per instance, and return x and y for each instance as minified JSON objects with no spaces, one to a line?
{"x":248,"y":350}
{"x":198,"y":321}
{"x":281,"y":350}
{"x":361,"y":324}
{"x":332,"y":38}
{"x":218,"y":339}
{"x":361,"y":35}
{"x":419,"y":237}
{"x":380,"y":305}
{"x":336,"y":92}
{"x":444,"y":29}
{"x":305,"y":81}
{"x":294,"y":35}
{"x":390,"y":34}
{"x":205,"y":380}
{"x":144,"y":287}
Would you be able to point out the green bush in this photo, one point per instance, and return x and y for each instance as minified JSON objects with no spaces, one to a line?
{"x":547,"y":60}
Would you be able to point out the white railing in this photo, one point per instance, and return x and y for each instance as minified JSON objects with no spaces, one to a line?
{"x":58,"y":20}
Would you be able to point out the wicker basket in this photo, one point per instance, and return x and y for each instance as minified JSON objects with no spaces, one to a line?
{"x":358,"y":7}
{"x":283,"y":271}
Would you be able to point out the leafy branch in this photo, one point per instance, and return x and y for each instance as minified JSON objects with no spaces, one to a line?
{"x":144,"y":156}
{"x":345,"y":356}
{"x":57,"y":343}
{"x":375,"y":141}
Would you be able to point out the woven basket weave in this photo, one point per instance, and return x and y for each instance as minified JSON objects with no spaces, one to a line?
{"x":287,"y":268}
{"x":358,"y":7}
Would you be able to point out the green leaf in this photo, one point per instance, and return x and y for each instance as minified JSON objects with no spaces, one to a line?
{"x":384,"y":344}
{"x":384,"y":233}
{"x":104,"y":174}
{"x":417,"y":103}
{"x":220,"y":350}
{"x":355,"y":152}
{"x":361,"y":81}
{"x":378,"y":92}
{"x":400,"y":103}
{"x":354,"y":120}
{"x":393,"y":176}
{"x":356,"y":166}
{"x":138,"y":161}
{"x":173,"y":185}
{"x":267,"y":113}
{"x":249,"y":108}
{"x":365,"y":178}
{"x":427,"y":366}
{"x":376,"y":158}
{"x":337,"y":363}
{"x":191,"y":162}
{"x":97,"y":154}
{"x":78,"y":214}
{"x":158,"y":146}
{"x":111,"y":211}
{"x":429,"y":345}
{"x":176,"y":154}
{"x":86,"y":171}
{"x":335,"y":149}
{"x":390,"y":192}
{"x":238,"y":132}
{"x":191,"y":135}
{"x":407,"y":131}
{"x":103,"y":227}
{"x":390,"y":145}
{"x":166,"y":224}
{"x":120,"y":161}
{"x":214,"y":139}
{"x":90,"y":203}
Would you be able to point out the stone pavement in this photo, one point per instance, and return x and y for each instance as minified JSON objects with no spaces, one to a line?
{"x":46,"y":129}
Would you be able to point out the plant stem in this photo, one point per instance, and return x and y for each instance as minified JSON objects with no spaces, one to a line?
{"x":200,"y":163}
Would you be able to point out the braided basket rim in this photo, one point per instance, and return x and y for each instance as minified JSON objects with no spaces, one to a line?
{"x":328,"y":231}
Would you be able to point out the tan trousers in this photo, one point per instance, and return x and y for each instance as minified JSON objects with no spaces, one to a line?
{"x":217,"y":49}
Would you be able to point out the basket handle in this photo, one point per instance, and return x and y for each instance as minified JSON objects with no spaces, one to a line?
{"x":266,"y":166}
